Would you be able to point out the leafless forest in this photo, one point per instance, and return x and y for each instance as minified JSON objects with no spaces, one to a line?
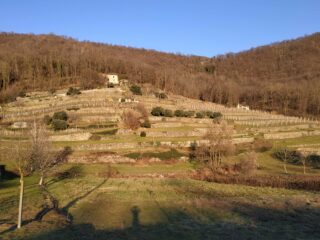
{"x":282,"y":77}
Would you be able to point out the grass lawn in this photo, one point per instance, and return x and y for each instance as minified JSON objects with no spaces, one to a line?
{"x":153,"y":208}
{"x":297,"y":141}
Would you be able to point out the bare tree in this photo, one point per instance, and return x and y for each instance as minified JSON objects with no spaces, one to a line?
{"x":20,"y":153}
{"x":43,"y":156}
{"x":142,"y":110}
{"x":131,"y":119}
{"x":285,"y":157}
{"x":248,"y":163}
{"x":219,"y":146}
{"x":304,"y":162}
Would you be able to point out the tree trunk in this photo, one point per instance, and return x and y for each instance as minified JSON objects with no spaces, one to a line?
{"x":285,"y":167}
{"x":41,"y":180}
{"x":20,"y":201}
{"x":285,"y":162}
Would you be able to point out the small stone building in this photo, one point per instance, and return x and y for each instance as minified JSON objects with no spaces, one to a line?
{"x":111,"y":79}
{"x":243,"y":107}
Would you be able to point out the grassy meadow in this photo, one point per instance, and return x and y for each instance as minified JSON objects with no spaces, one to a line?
{"x":93,"y":206}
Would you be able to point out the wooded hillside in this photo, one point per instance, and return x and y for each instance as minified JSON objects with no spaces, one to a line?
{"x":283,"y":77}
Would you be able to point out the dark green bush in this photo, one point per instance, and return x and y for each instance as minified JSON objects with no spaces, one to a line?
{"x":179,"y":113}
{"x":73,"y":91}
{"x":146,"y":124}
{"x":58,"y":124}
{"x":143,"y":134}
{"x":216,"y":115}
{"x":161,"y":95}
{"x":200,"y":114}
{"x":289,"y":156}
{"x":60,"y":116}
{"x":313,"y":160}
{"x":136,"y":90}
{"x":73,"y":109}
{"x":188,"y":113}
{"x":168,"y":113}
{"x":157,"y":111}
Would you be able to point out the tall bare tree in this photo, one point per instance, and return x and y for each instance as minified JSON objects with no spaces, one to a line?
{"x":43,"y":157}
{"x":219,"y":145}
{"x":20,"y":153}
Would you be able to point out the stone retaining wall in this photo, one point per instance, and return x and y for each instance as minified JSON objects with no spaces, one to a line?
{"x":71,"y":137}
{"x":100,"y":158}
{"x":286,"y":135}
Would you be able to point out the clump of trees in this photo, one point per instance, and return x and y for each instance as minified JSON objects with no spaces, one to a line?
{"x":135,"y":118}
{"x":136,"y":90}
{"x":161,"y":95}
{"x":219,"y":146}
{"x":248,"y":163}
{"x":161,"y":112}
{"x":59,"y":125}
{"x":182,"y":113}
{"x":200,"y":114}
{"x":288,"y":156}
{"x":58,"y":121}
{"x":131,"y":119}
{"x":146,"y":124}
{"x":157,"y":111}
{"x":144,"y":116}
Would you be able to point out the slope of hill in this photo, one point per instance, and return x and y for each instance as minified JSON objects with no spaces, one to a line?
{"x":282,"y":77}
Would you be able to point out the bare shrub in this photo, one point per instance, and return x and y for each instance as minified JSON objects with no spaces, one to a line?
{"x":220,"y":146}
{"x":142,"y":110}
{"x":131,"y":119}
{"x":248,"y":163}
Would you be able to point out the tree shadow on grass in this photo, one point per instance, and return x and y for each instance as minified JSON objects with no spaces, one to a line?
{"x":54,"y":206}
{"x":264,"y":223}
{"x":70,"y":173}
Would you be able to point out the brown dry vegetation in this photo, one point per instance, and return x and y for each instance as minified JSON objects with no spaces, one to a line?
{"x":281,"y":77}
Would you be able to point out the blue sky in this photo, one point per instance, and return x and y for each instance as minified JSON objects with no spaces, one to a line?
{"x":199,"y":27}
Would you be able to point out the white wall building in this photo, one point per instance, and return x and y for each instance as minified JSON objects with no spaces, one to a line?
{"x":113,"y":79}
{"x":239,"y":106}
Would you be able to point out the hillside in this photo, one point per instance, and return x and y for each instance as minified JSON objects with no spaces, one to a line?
{"x":118,"y":184}
{"x":282,"y":77}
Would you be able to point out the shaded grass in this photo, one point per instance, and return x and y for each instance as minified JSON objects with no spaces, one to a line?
{"x":146,"y":208}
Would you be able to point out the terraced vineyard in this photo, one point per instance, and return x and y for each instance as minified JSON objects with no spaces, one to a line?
{"x":98,"y":112}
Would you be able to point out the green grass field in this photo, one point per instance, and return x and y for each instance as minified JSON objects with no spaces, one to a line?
{"x":157,"y":208}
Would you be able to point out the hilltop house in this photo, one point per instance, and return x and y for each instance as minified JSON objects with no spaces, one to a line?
{"x":239,"y":106}
{"x":112,"y":79}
